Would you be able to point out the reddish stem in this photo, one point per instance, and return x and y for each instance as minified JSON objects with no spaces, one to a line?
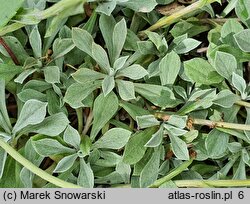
{"x":10,"y":52}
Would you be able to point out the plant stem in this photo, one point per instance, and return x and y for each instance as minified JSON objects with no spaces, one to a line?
{"x":212,"y":183}
{"x":202,"y":183}
{"x":209,"y":123}
{"x":166,"y":21}
{"x":88,"y":122}
{"x":33,"y":168}
{"x":243,"y":103}
{"x":214,"y":124}
{"x":10,"y":52}
{"x":79,"y":119}
{"x":172,"y":174}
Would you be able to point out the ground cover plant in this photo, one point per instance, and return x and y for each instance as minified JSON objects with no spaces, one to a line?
{"x":124,"y":93}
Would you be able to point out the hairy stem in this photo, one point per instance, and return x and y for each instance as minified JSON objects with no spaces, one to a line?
{"x":212,"y":183}
{"x":209,"y":123}
{"x":172,"y":174}
{"x":166,"y":21}
{"x":214,"y":124}
{"x":33,"y":168}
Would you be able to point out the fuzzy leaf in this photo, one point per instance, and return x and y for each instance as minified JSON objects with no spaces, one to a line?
{"x":115,"y":138}
{"x":33,"y":112}
{"x":169,"y":68}
{"x":104,"y":109}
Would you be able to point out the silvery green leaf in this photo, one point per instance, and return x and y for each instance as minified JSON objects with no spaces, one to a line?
{"x":65,"y":163}
{"x":108,"y":159}
{"x":108,"y":84}
{"x":47,"y":147}
{"x":124,"y":170}
{"x":26,"y":177}
{"x":138,"y":167}
{"x":225,"y":64}
{"x":135,"y":148}
{"x":3,"y":157}
{"x":135,"y":72}
{"x":52,"y":74}
{"x":107,"y":24}
{"x":50,"y":126}
{"x":83,"y":40}
{"x":104,"y":109}
{"x":28,"y":94}
{"x":115,"y":138}
{"x":101,"y":57}
{"x":106,"y":7}
{"x":94,"y":156}
{"x":245,"y":156}
{"x":229,"y":28}
{"x":36,"y":42}
{"x":146,"y":121}
{"x":242,"y":11}
{"x":33,"y":112}
{"x":120,"y":62}
{"x":146,"y":47}
{"x":84,"y":75}
{"x":126,"y":89}
{"x":8,"y":10}
{"x":61,"y":47}
{"x":21,"y":77}
{"x":186,"y":45}
{"x":4,"y":117}
{"x":200,"y":71}
{"x":234,"y":147}
{"x":118,"y":39}
{"x":85,"y":146}
{"x":72,"y":137}
{"x":157,"y":40}
{"x":169,"y":68}
{"x":240,"y":84}
{"x":240,"y":172}
{"x":242,"y":39}
{"x":190,"y":136}
{"x":112,"y":178}
{"x":216,"y":143}
{"x":175,"y":131}
{"x":201,"y":99}
{"x":86,"y":175}
{"x":156,"y":138}
{"x":133,"y":110}
{"x":225,"y":98}
{"x":9,"y":71}
{"x":140,"y":5}
{"x":77,"y":92}
{"x":179,"y":147}
{"x":38,"y":85}
{"x":178,"y":121}
{"x":5,"y":136}
{"x":150,"y":171}
{"x":157,"y":94}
